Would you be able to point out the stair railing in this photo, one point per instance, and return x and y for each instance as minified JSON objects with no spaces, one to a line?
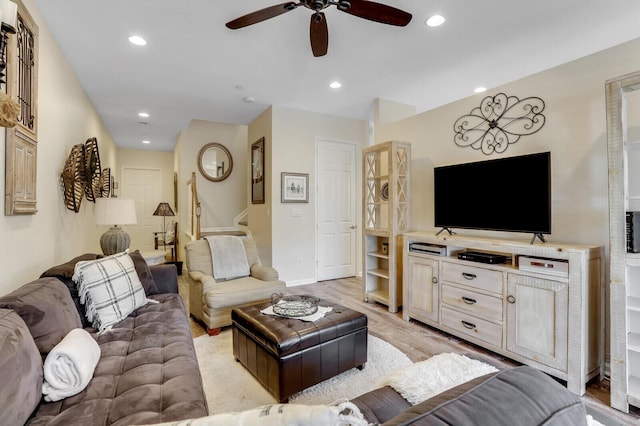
{"x":195,"y":207}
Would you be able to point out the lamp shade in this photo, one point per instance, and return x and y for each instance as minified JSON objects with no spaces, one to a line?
{"x":163,"y":209}
{"x":115,"y":211}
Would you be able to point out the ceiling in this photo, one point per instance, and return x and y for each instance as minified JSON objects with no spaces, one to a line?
{"x":193,"y":67}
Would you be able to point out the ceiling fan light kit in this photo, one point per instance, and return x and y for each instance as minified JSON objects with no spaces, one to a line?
{"x":319,"y":33}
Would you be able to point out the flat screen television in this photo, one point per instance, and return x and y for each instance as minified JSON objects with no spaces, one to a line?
{"x":506,"y":194}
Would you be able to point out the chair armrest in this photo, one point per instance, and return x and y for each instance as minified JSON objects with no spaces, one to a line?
{"x":207,"y":281}
{"x":264,"y":273}
{"x":165,"y":277}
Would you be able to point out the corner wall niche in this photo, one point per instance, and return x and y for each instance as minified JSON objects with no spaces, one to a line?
{"x":22,"y":140}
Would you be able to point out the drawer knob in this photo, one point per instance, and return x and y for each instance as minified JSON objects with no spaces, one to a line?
{"x":469,"y":276}
{"x":511,"y":299}
{"x":434,"y":280}
{"x":468,"y":325}
{"x":468,"y":300}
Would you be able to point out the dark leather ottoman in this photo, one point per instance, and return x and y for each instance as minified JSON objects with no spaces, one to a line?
{"x":288,"y":355}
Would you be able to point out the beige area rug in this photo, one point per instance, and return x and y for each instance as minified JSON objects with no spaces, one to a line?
{"x":230,"y":387}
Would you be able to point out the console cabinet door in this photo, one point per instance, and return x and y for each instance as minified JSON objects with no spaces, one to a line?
{"x":537,"y":319}
{"x":423,"y":288}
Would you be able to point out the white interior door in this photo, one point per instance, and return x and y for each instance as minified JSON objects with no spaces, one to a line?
{"x":336,"y":205}
{"x":145,"y":187}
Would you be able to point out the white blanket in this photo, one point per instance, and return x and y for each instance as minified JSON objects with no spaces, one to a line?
{"x":229,"y":257}
{"x":69,"y":366}
{"x":425,"y":379}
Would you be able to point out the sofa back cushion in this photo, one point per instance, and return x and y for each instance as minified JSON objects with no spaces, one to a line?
{"x":515,"y":396}
{"x":20,"y":369}
{"x":46,"y":307}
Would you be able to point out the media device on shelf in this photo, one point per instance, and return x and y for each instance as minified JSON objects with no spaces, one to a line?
{"x":507,"y":194}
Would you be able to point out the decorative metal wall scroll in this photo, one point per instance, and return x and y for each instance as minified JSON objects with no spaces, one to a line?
{"x":498,"y":122}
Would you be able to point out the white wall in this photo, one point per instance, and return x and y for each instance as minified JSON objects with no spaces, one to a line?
{"x":32,"y":244}
{"x":220,"y":201}
{"x":575,"y":133}
{"x":260,"y":219}
{"x":294,"y":150}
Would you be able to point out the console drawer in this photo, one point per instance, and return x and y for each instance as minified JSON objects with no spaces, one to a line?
{"x":472,"y":276}
{"x":472,"y":326}
{"x":475,"y":303}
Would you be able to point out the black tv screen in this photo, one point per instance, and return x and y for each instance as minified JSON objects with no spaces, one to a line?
{"x":507,"y":194}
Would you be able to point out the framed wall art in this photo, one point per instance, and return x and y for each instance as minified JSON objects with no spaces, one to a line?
{"x":257,"y":172}
{"x":295,"y":187}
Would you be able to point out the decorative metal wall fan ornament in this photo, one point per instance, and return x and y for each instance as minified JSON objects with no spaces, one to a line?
{"x":92,"y":169}
{"x":319,"y":34}
{"x":498,"y":122}
{"x":81,"y":175}
{"x":74,"y":178}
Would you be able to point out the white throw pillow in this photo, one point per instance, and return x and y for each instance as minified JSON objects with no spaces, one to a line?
{"x":109,"y":288}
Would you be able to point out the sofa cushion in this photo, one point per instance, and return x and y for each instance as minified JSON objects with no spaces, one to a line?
{"x":21,"y":367}
{"x":241,"y":291}
{"x":520,"y":396}
{"x":45,"y":305}
{"x":144,"y":273}
{"x":148,"y":373}
{"x":64,"y":272}
{"x":109,"y":288}
{"x":381,"y":404}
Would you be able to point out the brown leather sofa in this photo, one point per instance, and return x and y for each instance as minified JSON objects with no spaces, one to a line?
{"x":147,"y":373}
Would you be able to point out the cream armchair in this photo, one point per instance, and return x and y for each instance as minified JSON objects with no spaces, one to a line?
{"x":211,"y":301}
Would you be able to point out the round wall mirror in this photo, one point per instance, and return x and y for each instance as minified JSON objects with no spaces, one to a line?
{"x":215,"y":162}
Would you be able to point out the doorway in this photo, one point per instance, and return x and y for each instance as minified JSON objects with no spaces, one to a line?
{"x":336,"y":209}
{"x":144,"y":186}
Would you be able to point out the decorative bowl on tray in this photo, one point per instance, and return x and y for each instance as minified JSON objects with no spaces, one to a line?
{"x":294,"y":306}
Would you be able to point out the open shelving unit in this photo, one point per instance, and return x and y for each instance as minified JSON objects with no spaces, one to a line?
{"x":623,"y":139}
{"x":386,"y":214}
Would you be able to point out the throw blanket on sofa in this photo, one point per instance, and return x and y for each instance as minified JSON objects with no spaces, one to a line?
{"x":69,"y":366}
{"x":229,"y":257}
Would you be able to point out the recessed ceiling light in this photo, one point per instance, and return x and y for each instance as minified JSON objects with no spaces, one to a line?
{"x":335,"y":85}
{"x":146,"y":142}
{"x":480,"y":89}
{"x":143,"y":114}
{"x":435,"y":21}
{"x":137,"y":40}
{"x":249,"y":99}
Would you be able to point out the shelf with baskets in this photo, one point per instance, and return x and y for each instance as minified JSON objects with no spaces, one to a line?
{"x":386,"y":214}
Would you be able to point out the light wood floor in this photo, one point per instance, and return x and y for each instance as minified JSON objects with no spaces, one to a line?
{"x":415,"y":339}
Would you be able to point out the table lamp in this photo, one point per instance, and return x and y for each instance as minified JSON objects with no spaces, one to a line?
{"x":115,"y":211}
{"x":164,"y":210}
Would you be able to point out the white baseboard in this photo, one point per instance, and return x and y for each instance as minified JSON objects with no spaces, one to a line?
{"x":304,"y":281}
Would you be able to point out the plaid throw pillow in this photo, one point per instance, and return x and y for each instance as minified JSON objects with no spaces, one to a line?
{"x":109,"y":288}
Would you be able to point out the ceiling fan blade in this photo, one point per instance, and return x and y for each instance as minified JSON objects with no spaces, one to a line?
{"x":377,"y":12}
{"x":261,"y":15}
{"x":319,"y":34}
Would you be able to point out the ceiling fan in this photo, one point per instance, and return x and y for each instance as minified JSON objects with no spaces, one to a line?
{"x":319,"y":33}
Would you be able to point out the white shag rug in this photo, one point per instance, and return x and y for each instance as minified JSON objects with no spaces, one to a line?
{"x":231,"y":388}
{"x":426,"y":379}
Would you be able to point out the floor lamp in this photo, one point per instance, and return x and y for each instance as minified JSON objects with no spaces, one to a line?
{"x":164,"y":210}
